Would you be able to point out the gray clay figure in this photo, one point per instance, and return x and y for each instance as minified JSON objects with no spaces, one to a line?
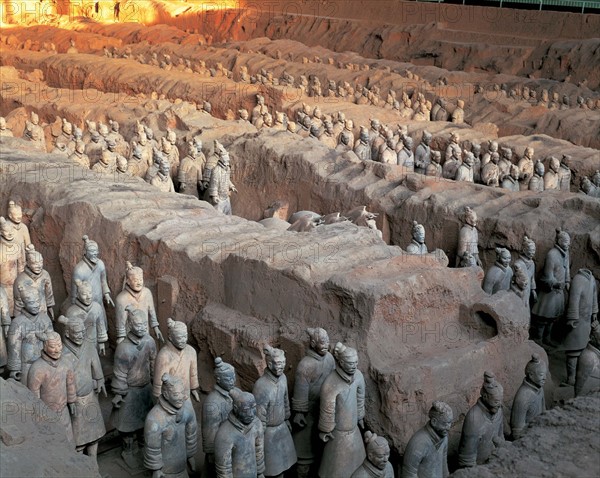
{"x":220,"y":185}
{"x":25,"y":338}
{"x":587,"y":378}
{"x":499,"y":276}
{"x":426,"y":454}
{"x":178,"y":359}
{"x":529,"y":400}
{"x":132,"y":382}
{"x":554,"y":285}
{"x":239,"y":443}
{"x":136,"y":295}
{"x":525,"y":262}
{"x":82,"y":356}
{"x":170,"y":432}
{"x":468,"y":237}
{"x":273,"y":410}
{"x":92,"y":269}
{"x":91,"y":313}
{"x":311,"y":372}
{"x":216,"y":409}
{"x":377,"y":462}
{"x":417,"y":246}
{"x":35,"y":277}
{"x":342,"y":410}
{"x":581,"y":311}
{"x":11,"y":261}
{"x":483,"y":427}
{"x":52,"y":380}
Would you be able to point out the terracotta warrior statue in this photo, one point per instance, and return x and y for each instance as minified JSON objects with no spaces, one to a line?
{"x":190,"y":171}
{"x":551,"y":180}
{"x":15,"y":217}
{"x":526,"y":169}
{"x":34,"y":132}
{"x":529,"y":401}
{"x":162,"y":180}
{"x":273,"y":410}
{"x":554,"y":282}
{"x":25,"y":338}
{"x":483,"y":428}
{"x":377,"y":461}
{"x":35,"y":277}
{"x":581,"y":311}
{"x":464,"y":172}
{"x":239,"y":443}
{"x":342,"y":411}
{"x":426,"y":454}
{"x":11,"y":261}
{"x":468,"y":237}
{"x":311,"y":372}
{"x":5,"y":320}
{"x":423,"y":153}
{"x":92,"y":269}
{"x":536,"y":183}
{"x":216,"y":409}
{"x":132,"y":382}
{"x":525,"y":263}
{"x":434,"y":168}
{"x":82,"y":357}
{"x":587,"y":378}
{"x":135,"y":294}
{"x":178,"y":359}
{"x":499,"y":276}
{"x":220,"y":185}
{"x":417,"y":246}
{"x":363,"y":148}
{"x":519,"y":284}
{"x":5,"y":131}
{"x":170,"y":431}
{"x":564,"y":173}
{"x":52,"y":380}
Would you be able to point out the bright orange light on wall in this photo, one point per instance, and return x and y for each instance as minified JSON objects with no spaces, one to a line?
{"x":64,"y":12}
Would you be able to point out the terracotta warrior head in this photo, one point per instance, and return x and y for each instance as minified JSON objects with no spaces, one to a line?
{"x":173,"y":390}
{"x":178,"y":334}
{"x":15,"y":213}
{"x":53,"y":345}
{"x":138,"y":323}
{"x":74,"y":329}
{"x":503,"y":257}
{"x":378,"y":450}
{"x":7,"y":230}
{"x":418,"y":232}
{"x":563,"y":240}
{"x":275,"y":360}
{"x":346,"y":357}
{"x":539,"y":168}
{"x":470,"y":217}
{"x":31,"y":299}
{"x":35,"y":261}
{"x":90,"y":250}
{"x":536,"y":371}
{"x":492,"y":392}
{"x":84,"y":291}
{"x":441,"y":418}
{"x":224,"y":374}
{"x":244,"y":406}
{"x":134,"y":277}
{"x":528,"y":248}
{"x":520,"y":278}
{"x":319,"y":340}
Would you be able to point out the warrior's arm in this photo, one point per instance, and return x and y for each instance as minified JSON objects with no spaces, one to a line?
{"x":223,"y":457}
